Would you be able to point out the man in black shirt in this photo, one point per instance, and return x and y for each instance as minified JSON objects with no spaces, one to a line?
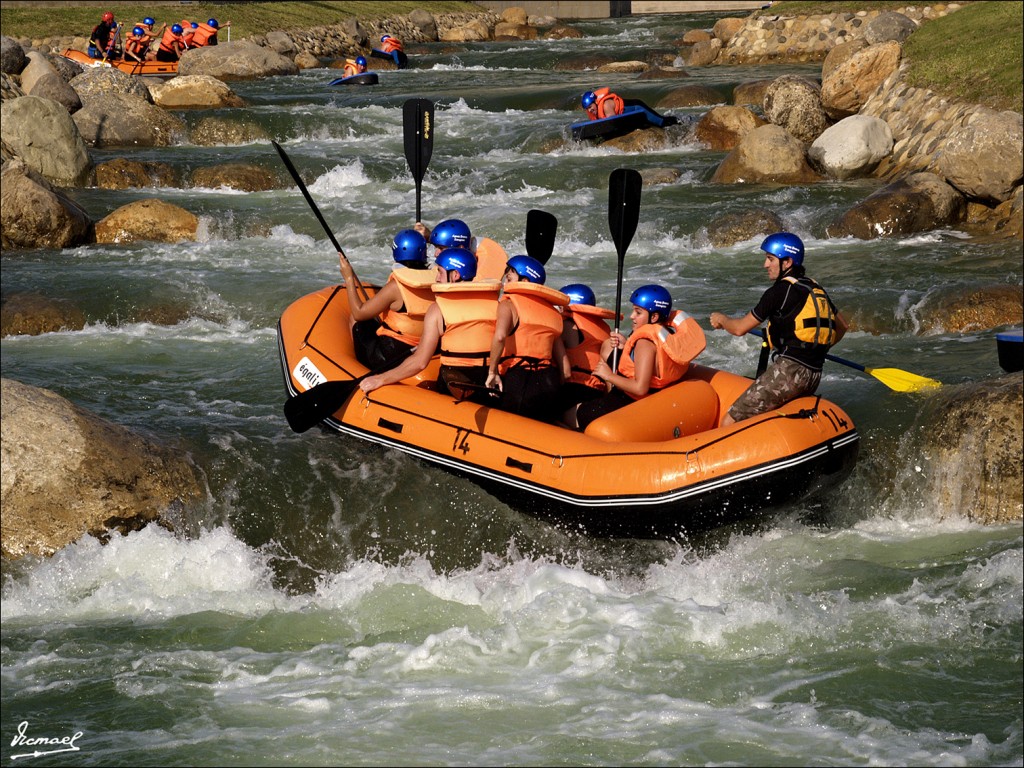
{"x":803,"y":324}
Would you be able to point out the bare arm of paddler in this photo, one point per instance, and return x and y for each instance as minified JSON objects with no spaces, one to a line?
{"x":643,"y":363}
{"x":388,"y":296}
{"x":504,"y":322}
{"x":737,"y":326}
{"x":433,"y":324}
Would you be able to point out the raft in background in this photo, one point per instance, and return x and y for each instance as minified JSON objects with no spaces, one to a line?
{"x":153,"y":68}
{"x":635,"y":115}
{"x":658,"y":468}
{"x":398,"y":57}
{"x":363,"y":78}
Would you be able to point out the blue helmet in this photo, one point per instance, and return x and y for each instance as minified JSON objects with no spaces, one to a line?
{"x":361,"y":62}
{"x":195,"y":25}
{"x":212,"y":23}
{"x":451,"y":233}
{"x":149,"y":21}
{"x":588,"y":98}
{"x":784,"y":245}
{"x":579,"y":293}
{"x":176,"y":29}
{"x":384,"y":37}
{"x":138,"y":31}
{"x":458,"y":260}
{"x":410,"y":249}
{"x":528,"y":269}
{"x":653,"y":298}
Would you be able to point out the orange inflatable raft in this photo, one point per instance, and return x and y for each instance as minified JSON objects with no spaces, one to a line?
{"x":148,"y":68}
{"x":658,"y":468}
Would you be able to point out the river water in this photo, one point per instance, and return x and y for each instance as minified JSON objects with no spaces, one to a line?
{"x":339,"y":604}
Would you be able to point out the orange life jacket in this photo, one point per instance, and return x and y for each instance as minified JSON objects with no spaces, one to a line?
{"x":584,"y":357}
{"x":414,"y":285}
{"x":676,"y":343}
{"x":491,"y":259}
{"x":468,"y":311}
{"x":138,"y":45}
{"x":391,"y":45}
{"x":531,"y":340}
{"x":167,"y":42}
{"x":603,"y":95}
{"x":351,"y":68}
{"x":201,"y":36}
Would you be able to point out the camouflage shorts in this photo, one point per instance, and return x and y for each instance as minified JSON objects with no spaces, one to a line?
{"x":784,"y":380}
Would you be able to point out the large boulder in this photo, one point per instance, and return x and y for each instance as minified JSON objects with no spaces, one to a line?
{"x":795,"y":103}
{"x":741,"y":226}
{"x":981,"y":308}
{"x":690,"y":96}
{"x":241,"y":176}
{"x":889,"y":26}
{"x":40,"y":78}
{"x":852,"y":147}
{"x":973,"y":440}
{"x":235,"y":60}
{"x":121,"y":173}
{"x":919,"y":203}
{"x":424,"y":22}
{"x":118,"y":120}
{"x":769,"y":154}
{"x":194,"y":92}
{"x":29,"y":314}
{"x":45,"y":136}
{"x":722,"y":128}
{"x":33,"y":214}
{"x":106,"y":81}
{"x":147,"y":220}
{"x":847,"y":86}
{"x":12,"y":56}
{"x":66,"y":473}
{"x":984,"y":156}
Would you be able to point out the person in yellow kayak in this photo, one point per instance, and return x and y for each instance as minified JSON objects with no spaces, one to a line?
{"x":803,"y":324}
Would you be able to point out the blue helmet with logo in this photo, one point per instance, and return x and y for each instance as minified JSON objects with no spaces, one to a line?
{"x":588,"y":99}
{"x":451,"y":233}
{"x":149,"y":21}
{"x":212,"y":23}
{"x":579,"y":293}
{"x":360,"y":61}
{"x":528,"y":269}
{"x":457,"y":260}
{"x":784,"y":245}
{"x":176,"y":29}
{"x":653,"y":298}
{"x":138,"y":31}
{"x":409,"y":249}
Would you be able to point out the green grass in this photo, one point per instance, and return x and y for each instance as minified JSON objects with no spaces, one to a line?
{"x":975,"y":54}
{"x":246,"y":18}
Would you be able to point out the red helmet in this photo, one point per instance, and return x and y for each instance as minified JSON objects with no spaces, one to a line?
{"x":108,"y":16}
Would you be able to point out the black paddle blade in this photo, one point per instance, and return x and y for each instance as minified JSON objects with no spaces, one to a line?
{"x":309,"y":408}
{"x":418,"y":122}
{"x":541,"y":227}
{"x":623,"y":207}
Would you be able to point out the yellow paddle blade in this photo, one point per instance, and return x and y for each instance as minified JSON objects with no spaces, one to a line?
{"x":902,"y":381}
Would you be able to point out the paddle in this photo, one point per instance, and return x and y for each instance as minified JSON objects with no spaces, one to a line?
{"x":418,"y":122}
{"x":319,"y":216}
{"x":893,"y":378}
{"x":541,"y":227}
{"x":623,"y":216}
{"x":309,"y":408}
